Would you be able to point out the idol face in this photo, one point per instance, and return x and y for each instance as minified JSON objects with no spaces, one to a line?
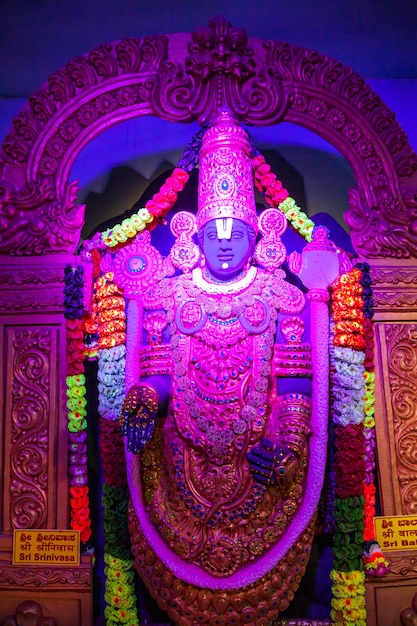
{"x":227,"y":245}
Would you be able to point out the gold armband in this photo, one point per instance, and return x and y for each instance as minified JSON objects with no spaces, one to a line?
{"x":155,"y":360}
{"x":292,"y":360}
{"x":293,"y":421}
{"x":155,"y":324}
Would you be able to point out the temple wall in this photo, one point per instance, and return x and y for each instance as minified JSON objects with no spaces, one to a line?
{"x":34,"y":436}
{"x":40,"y":216}
{"x":395,"y":324}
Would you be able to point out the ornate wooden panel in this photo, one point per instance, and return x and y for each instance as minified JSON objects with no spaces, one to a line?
{"x":396,"y":385}
{"x":31,"y":356}
{"x":33,"y":435}
{"x":33,"y":387}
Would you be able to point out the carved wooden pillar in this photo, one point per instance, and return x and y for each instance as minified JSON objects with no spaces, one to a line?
{"x":33,"y":435}
{"x":395,"y":296}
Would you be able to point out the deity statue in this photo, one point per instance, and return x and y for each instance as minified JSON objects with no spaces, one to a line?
{"x":225,"y":416}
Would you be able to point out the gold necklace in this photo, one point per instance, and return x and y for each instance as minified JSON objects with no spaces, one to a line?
{"x":220,"y":288}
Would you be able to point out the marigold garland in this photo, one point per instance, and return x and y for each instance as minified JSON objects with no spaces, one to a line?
{"x":373,"y":558}
{"x":76,"y":402}
{"x":119,"y":595}
{"x":351,"y":352}
{"x":348,"y":602}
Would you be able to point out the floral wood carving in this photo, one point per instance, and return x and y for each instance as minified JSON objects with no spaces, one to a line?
{"x":394,"y":301}
{"x":220,"y":71}
{"x":39,"y":287}
{"x":394,"y":288}
{"x":18,"y":302}
{"x":394,"y":276}
{"x":401,"y":342}
{"x":186,"y":78}
{"x":30,"y":410}
{"x":18,"y":278}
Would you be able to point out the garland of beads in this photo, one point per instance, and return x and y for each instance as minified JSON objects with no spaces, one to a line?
{"x":76,"y":402}
{"x":373,"y":558}
{"x":90,"y":325}
{"x":346,"y":360}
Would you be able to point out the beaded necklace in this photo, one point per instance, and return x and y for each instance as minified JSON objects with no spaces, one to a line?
{"x":223,"y":304}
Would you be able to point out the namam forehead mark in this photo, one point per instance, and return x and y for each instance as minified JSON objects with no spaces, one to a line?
{"x":223,"y":227}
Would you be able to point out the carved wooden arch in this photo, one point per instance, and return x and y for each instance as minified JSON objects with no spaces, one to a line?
{"x":187,"y":77}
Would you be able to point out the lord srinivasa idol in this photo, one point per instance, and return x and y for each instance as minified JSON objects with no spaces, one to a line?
{"x":225,"y":415}
{"x":213,"y":358}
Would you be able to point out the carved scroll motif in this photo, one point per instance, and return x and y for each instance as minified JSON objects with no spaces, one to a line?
{"x":220,"y":71}
{"x":18,"y":278}
{"x":342,"y":84}
{"x":38,"y":218}
{"x":402,"y":564}
{"x":187,"y":77}
{"x":394,"y":288}
{"x":32,"y":288}
{"x":394,"y":276}
{"x":383,"y":226}
{"x":401,"y":341}
{"x":45,"y":577}
{"x":388,"y":300}
{"x":30,"y":410}
{"x":37,"y":302}
{"x":41,"y":216}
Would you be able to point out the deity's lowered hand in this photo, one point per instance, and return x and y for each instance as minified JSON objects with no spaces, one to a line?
{"x":272,"y":464}
{"x":137,"y":417}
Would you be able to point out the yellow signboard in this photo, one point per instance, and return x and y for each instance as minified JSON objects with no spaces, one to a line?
{"x":398,"y":532}
{"x":46,"y":547}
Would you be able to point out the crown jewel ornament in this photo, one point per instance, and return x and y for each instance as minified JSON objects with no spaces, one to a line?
{"x":225,"y":187}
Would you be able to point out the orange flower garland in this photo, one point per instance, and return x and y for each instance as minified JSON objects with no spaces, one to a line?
{"x":352,"y":351}
{"x":110,"y":312}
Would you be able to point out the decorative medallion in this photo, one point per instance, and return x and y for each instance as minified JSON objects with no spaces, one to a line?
{"x":138,"y":266}
{"x":270,"y":252}
{"x":190,"y":317}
